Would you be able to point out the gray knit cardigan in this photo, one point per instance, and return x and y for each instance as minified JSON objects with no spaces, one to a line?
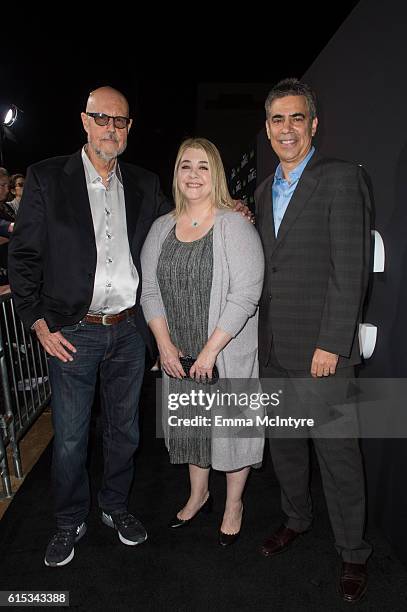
{"x":238,"y":270}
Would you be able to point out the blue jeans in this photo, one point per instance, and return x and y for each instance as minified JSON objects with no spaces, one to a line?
{"x":117,"y":352}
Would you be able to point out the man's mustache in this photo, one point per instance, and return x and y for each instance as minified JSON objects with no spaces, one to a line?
{"x":111,"y":137}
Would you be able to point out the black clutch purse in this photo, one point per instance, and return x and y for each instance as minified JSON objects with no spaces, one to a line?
{"x":187,"y":362}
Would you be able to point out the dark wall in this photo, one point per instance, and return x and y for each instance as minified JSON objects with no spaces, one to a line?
{"x":361,"y":84}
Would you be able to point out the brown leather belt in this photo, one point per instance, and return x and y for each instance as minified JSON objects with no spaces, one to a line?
{"x":109,"y":319}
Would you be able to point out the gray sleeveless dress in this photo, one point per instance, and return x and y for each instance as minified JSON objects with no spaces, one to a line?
{"x":184,"y":274}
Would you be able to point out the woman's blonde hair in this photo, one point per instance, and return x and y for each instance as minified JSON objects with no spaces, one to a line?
{"x":220,"y":194}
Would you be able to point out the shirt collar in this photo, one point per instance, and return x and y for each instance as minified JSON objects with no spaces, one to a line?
{"x":298,"y":170}
{"x":93,"y":175}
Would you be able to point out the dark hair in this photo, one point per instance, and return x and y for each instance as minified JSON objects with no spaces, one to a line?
{"x":14,"y":178}
{"x":292,"y":87}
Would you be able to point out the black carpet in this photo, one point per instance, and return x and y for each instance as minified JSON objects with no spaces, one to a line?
{"x":185,"y":570}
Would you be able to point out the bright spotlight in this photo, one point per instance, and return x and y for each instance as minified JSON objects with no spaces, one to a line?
{"x":10,"y":116}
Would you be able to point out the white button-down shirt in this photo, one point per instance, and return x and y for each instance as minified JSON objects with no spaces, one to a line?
{"x":116,"y":278}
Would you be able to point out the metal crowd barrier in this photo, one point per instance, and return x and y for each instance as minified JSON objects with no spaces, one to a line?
{"x":25,"y":387}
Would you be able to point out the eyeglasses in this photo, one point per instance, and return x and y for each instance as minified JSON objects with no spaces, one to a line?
{"x":102,"y":119}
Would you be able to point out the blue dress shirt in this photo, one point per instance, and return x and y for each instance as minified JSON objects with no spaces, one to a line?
{"x":282,"y":189}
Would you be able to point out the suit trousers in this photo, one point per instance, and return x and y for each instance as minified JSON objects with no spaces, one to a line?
{"x":117,"y":353}
{"x":339,"y":459}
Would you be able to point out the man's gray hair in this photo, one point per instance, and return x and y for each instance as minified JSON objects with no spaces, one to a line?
{"x":292,"y":87}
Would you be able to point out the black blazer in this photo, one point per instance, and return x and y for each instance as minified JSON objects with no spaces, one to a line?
{"x":52,"y":254}
{"x":317,"y":269}
{"x":4,"y":225}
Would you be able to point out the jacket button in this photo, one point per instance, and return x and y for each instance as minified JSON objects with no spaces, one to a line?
{"x":274,"y":269}
{"x":270,"y":297}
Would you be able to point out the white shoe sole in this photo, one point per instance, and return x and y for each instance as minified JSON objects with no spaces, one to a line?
{"x":64,"y":562}
{"x":69,"y":558}
{"x":107,"y":520}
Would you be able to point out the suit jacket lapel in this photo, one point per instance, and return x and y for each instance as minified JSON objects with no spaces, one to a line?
{"x":266,"y":220}
{"x":77,"y":194}
{"x":299,"y":199}
{"x":133,"y":199}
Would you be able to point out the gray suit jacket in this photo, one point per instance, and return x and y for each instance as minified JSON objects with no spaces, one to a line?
{"x":317,"y":268}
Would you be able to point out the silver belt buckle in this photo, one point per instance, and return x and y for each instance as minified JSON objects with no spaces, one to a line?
{"x":104,"y":320}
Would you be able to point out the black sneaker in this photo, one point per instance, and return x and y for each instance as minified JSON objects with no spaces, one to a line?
{"x":60,"y":550}
{"x":130,"y":530}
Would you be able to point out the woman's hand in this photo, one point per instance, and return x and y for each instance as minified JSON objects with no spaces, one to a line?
{"x":169,"y":357}
{"x":203,"y":366}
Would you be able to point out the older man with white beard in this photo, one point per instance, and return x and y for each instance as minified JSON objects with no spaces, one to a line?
{"x":75,"y":275}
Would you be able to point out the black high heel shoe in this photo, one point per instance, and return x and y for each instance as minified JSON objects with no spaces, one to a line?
{"x":226,"y":539}
{"x":206,"y":508}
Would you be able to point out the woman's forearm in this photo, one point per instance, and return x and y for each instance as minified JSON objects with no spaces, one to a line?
{"x":217,"y":341}
{"x":159,"y":327}
{"x":169,"y":353}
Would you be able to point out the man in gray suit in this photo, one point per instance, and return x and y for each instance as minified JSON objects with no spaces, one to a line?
{"x":313,"y":216}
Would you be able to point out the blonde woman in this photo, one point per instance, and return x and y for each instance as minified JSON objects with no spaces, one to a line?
{"x":203,"y":271}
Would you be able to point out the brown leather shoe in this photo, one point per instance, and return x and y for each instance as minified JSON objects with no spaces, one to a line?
{"x":279,"y":541}
{"x":353,"y":581}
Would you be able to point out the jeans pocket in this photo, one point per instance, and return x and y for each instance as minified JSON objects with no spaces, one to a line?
{"x":132,"y":321}
{"x":70,"y":328}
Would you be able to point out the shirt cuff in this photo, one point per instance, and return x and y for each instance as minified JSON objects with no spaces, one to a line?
{"x":33,"y":325}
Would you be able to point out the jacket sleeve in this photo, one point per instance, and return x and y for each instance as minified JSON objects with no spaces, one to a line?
{"x":4,"y":225}
{"x":150,"y":301}
{"x":245,"y":259}
{"x":350,"y":238}
{"x":163,"y":204}
{"x":27,"y":252}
